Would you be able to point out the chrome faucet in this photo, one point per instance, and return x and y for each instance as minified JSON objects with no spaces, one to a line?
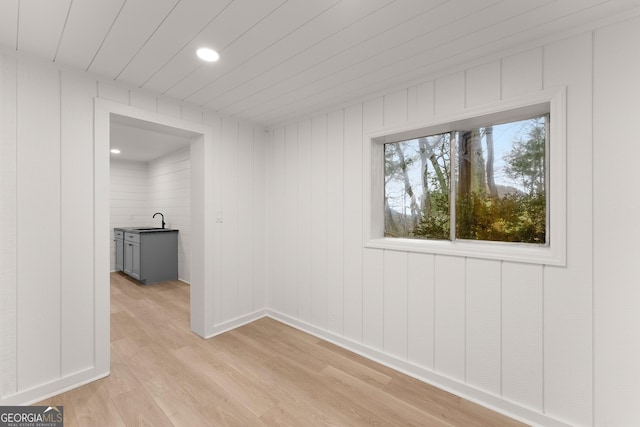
{"x":158,"y":213}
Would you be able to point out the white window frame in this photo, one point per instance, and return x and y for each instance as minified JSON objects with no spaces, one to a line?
{"x":552,"y":101}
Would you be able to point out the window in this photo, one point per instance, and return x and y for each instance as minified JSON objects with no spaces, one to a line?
{"x":489,"y":182}
{"x":499,"y":189}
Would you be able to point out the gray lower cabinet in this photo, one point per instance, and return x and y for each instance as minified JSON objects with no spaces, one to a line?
{"x":132,"y":255}
{"x":150,"y":257}
{"x":119,"y":239}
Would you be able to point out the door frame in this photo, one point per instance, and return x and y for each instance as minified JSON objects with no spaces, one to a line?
{"x":205,"y":197}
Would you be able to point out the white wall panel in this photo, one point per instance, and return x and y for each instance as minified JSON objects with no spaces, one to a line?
{"x":353,"y":222}
{"x":483,"y":324}
{"x":372,"y":120}
{"x":420,"y":309}
{"x":270,"y":155}
{"x":483,"y":84}
{"x":305,"y":226}
{"x":372,"y":115}
{"x":38,"y":225}
{"x":616,"y":235}
{"x":259,"y":220}
{"x":425,"y":101}
{"x":412,"y":104}
{"x":395,"y":303}
{"x":114,"y":92}
{"x":335,"y":221}
{"x":8,"y":232}
{"x":449,"y":337}
{"x":129,"y":197}
{"x":449,"y":95}
{"x":522,"y":347}
{"x":141,"y":99}
{"x":278,"y":205}
{"x":290,"y":219}
{"x":229,"y":192}
{"x":395,"y":108}
{"x":568,"y":301}
{"x":318,"y":219}
{"x":169,"y":107}
{"x":246,"y":213}
{"x":190,"y":113}
{"x":77,"y":273}
{"x":169,"y":192}
{"x":373,"y":298}
{"x":9,"y":23}
{"x":200,"y":209}
{"x":522,"y":73}
{"x":372,"y":262}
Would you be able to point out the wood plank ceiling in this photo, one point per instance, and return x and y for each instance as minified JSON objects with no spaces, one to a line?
{"x":282,"y":58}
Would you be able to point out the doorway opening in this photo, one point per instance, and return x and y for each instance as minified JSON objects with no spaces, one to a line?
{"x":150,"y":187}
{"x":202,"y":257}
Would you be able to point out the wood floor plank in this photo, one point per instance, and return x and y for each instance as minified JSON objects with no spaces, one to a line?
{"x":93,"y":406}
{"x":122,"y":378}
{"x":261,"y":374}
{"x":254,"y":395}
{"x":231,"y":414}
{"x":391,"y":408}
{"x":70,"y":419}
{"x":330,"y":356}
{"x":178,"y":406}
{"x":137,"y":408}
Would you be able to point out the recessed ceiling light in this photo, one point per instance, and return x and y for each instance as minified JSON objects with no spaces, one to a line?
{"x":207,"y":54}
{"x":115,"y":151}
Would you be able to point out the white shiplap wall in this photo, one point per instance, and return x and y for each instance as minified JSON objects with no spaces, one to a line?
{"x":47,"y":283}
{"x":170,"y":194}
{"x":616,"y":233}
{"x":514,"y":336}
{"x":129,"y":185}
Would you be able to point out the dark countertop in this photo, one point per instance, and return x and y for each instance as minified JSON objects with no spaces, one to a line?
{"x":146,"y":229}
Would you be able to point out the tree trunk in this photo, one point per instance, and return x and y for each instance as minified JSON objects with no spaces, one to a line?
{"x":491,"y":183}
{"x":391,"y":228}
{"x":424,"y":173}
{"x":413,"y":205}
{"x":471,"y":168}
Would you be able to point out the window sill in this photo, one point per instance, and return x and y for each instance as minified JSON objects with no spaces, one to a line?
{"x":512,"y":252}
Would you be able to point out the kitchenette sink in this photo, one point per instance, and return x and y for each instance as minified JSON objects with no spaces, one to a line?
{"x":150,"y":229}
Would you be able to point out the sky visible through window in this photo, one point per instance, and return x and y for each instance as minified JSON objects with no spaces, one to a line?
{"x":504,"y":136}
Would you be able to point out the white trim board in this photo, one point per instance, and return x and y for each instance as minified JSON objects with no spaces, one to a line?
{"x":205,"y":197}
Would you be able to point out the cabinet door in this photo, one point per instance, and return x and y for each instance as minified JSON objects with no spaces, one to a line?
{"x":128,"y":257}
{"x":135,"y":260}
{"x":119,"y":254}
{"x":132,"y":259}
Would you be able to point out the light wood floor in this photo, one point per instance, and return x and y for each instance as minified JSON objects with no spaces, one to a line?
{"x":264,"y":373}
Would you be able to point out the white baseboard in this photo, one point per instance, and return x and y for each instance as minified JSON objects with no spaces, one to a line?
{"x":53,"y":388}
{"x":236,"y":323}
{"x":482,"y":398}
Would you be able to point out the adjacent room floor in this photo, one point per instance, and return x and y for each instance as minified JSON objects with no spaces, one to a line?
{"x":264,"y":373}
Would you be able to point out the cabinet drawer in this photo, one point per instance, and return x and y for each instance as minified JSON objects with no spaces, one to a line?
{"x":132,"y":237}
{"x":119,"y":234}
